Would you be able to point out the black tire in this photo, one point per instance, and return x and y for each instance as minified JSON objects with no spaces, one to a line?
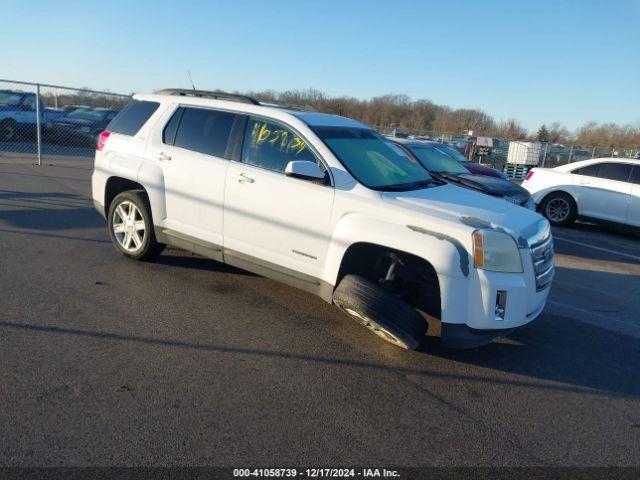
{"x":556,"y":201}
{"x":380,"y":311}
{"x":149,"y":247}
{"x":8,"y":130}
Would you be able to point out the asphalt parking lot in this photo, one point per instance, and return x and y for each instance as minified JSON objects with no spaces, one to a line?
{"x":104,"y":361}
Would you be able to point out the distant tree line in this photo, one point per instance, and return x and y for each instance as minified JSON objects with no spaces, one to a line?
{"x":402,"y":112}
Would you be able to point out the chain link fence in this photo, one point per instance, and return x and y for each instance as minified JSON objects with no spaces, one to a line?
{"x":40,"y":120}
{"x":549,"y":154}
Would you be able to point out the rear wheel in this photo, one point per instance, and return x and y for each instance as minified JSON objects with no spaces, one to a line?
{"x":379,"y":310}
{"x":131,"y":227}
{"x":560,"y":209}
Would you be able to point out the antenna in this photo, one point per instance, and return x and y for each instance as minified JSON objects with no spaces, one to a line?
{"x":191,"y":79}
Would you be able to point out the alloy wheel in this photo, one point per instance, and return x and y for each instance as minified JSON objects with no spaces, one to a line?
{"x":557,"y":210}
{"x":128,"y":226}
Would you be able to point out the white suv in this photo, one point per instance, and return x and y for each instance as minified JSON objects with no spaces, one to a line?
{"x":323,"y":203}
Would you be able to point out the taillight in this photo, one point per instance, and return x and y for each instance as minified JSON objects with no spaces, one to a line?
{"x":529,"y":175}
{"x":102,"y":140}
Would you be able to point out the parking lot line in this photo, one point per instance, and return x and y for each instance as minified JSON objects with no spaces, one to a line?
{"x":595,"y":247}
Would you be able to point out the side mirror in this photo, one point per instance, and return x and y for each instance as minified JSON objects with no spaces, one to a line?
{"x":305,"y":170}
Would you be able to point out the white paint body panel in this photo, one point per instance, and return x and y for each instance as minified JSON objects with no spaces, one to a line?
{"x":307,"y":228}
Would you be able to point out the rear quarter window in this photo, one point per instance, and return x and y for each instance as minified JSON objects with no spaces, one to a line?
{"x":132,"y":117}
{"x":588,"y":171}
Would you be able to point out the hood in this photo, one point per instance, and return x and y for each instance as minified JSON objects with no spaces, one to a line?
{"x":466,"y":207}
{"x":492,"y":186}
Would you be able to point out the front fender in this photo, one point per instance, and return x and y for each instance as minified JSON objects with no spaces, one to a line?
{"x":446,"y":254}
{"x":539,"y":196}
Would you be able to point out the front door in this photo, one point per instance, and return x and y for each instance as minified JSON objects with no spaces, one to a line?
{"x":280,"y":220}
{"x":605,"y":195}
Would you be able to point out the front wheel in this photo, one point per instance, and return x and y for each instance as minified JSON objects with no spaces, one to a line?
{"x":131,"y":227}
{"x":560,"y":209}
{"x":380,"y":311}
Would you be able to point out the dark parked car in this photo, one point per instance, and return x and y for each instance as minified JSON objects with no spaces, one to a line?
{"x":432,"y":156}
{"x":473,"y":167}
{"x":81,"y":126}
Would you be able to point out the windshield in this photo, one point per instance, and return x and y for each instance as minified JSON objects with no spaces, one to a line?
{"x":452,"y":152}
{"x":372,"y":161}
{"x":84,"y":114}
{"x":10,"y":98}
{"x":436,"y":161}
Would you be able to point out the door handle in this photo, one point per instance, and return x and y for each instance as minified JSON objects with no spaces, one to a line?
{"x":163,"y":157}
{"x":584,"y":182}
{"x":243,"y":178}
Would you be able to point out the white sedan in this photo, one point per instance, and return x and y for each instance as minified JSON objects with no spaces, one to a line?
{"x":601,"y":188}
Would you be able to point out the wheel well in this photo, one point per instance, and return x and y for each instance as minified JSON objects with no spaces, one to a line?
{"x":116,"y":185}
{"x":412,"y":278}
{"x":562,"y":192}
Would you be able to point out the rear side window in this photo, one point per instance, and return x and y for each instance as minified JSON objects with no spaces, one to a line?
{"x":590,"y":171}
{"x":205,"y":131}
{"x":132,"y":117}
{"x":271,"y":146}
{"x":615,"y":171}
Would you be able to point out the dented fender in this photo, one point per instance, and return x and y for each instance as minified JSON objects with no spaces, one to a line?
{"x":447,"y":255}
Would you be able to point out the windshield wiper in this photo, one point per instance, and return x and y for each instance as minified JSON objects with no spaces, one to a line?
{"x":402,"y":187}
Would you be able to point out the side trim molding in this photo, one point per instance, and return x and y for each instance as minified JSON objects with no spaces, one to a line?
{"x":252,"y":264}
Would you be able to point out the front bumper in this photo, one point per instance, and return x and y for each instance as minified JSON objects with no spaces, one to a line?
{"x":468,"y":308}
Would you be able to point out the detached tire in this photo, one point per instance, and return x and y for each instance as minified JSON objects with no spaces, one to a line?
{"x":560,"y":209}
{"x":380,"y":311}
{"x":131,"y":226}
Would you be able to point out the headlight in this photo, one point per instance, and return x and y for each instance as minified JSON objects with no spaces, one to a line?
{"x":530,"y":204}
{"x":496,"y":251}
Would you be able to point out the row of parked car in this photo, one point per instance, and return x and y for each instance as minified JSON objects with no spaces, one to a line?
{"x":72,"y":124}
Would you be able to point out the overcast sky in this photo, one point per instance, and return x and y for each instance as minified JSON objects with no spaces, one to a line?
{"x":538,"y":61}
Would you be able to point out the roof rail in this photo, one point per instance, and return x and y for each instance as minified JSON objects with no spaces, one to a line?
{"x":185,"y":92}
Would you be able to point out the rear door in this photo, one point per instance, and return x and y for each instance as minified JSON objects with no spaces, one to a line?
{"x":603,"y":190}
{"x":192,"y":153}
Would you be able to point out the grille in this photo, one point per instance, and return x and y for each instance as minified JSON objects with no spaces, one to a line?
{"x":542,"y":255}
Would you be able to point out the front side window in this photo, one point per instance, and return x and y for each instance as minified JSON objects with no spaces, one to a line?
{"x":615,"y":171}
{"x":635,"y":177}
{"x":271,"y":146}
{"x":436,"y":161}
{"x":205,"y":131}
{"x":30,"y":102}
{"x":371,"y":160}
